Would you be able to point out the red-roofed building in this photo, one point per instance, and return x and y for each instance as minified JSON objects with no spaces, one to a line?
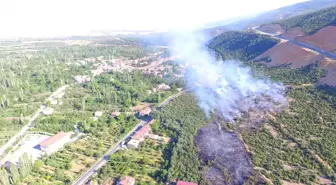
{"x":126,"y":180}
{"x":115,"y":114}
{"x":185,"y":183}
{"x":142,"y":133}
{"x":54,"y":142}
{"x":145,"y":111}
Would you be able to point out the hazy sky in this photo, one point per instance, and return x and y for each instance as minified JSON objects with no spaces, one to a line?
{"x":42,"y":18}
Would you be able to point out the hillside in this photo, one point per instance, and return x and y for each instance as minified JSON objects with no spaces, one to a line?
{"x":292,"y":147}
{"x":311,"y":22}
{"x":218,"y":27}
{"x":316,"y":29}
{"x":241,"y":45}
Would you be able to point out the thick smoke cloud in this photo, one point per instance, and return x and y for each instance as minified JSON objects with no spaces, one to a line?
{"x":225,"y":86}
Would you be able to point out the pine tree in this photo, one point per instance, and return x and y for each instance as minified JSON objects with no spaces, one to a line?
{"x":25,"y":165}
{"x":4,"y":177}
{"x":14,"y":172}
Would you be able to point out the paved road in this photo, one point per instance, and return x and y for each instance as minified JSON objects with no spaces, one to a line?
{"x":30,"y":122}
{"x":301,"y":44}
{"x":102,"y":161}
{"x":166,"y":101}
{"x":82,"y":179}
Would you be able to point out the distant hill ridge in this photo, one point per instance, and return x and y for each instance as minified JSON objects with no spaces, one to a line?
{"x":311,"y":22}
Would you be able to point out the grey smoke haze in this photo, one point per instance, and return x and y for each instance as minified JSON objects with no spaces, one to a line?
{"x":225,"y":86}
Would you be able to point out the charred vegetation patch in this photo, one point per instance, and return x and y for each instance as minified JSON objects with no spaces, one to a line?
{"x":224,"y":155}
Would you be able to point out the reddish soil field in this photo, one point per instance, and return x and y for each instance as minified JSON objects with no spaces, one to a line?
{"x":330,"y":66}
{"x":294,"y":33}
{"x":287,"y":53}
{"x":272,"y":28}
{"x":324,"y":38}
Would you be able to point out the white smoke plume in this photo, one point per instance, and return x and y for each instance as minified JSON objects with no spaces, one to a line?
{"x":223,"y":86}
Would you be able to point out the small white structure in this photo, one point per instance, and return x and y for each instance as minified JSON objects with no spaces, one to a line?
{"x":55,"y":142}
{"x":48,"y":111}
{"x":59,"y":95}
{"x":133,"y":143}
{"x":82,"y":79}
{"x":152,"y":136}
{"x":53,"y":102}
{"x":98,"y":113}
{"x":163,"y":87}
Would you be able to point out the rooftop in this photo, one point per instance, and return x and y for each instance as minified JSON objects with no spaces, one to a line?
{"x":127,"y":180}
{"x":185,"y":183}
{"x":142,"y":132}
{"x":53,"y":139}
{"x":145,"y":111}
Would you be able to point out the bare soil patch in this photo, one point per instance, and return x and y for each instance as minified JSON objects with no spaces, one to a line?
{"x":292,"y":145}
{"x":294,"y":33}
{"x":272,"y":130}
{"x":288,"y":53}
{"x":140,"y":107}
{"x":323,"y":180}
{"x":272,"y":28}
{"x":287,"y":167}
{"x":77,"y":168}
{"x":324,"y":38}
{"x":330,"y":66}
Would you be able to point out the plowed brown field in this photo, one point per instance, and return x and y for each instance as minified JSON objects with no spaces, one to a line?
{"x":288,"y":53}
{"x":324,"y":38}
{"x":294,"y":33}
{"x":272,"y":28}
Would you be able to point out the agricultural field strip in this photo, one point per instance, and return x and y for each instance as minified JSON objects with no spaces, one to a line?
{"x":83,"y":178}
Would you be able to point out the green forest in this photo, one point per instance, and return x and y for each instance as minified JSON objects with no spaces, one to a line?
{"x":243,"y":46}
{"x":311,"y":22}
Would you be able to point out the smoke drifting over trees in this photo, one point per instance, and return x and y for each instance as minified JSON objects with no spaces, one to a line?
{"x":222,"y":86}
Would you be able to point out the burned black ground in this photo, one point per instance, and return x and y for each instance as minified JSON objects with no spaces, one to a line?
{"x":225,"y":155}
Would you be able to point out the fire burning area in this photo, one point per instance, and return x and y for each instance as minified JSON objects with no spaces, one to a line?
{"x":229,"y":90}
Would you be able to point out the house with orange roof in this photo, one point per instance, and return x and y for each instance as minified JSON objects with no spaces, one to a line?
{"x":142,"y":133}
{"x":54,"y":142}
{"x":185,"y":183}
{"x":126,"y":180}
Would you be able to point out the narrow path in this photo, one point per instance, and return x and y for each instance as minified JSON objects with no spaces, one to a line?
{"x":25,"y":128}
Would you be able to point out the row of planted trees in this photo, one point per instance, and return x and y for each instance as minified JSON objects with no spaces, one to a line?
{"x":13,"y":174}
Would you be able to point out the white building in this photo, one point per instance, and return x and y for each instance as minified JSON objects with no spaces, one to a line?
{"x":55,"y":142}
{"x":53,"y":102}
{"x":48,"y":111}
{"x":98,"y":113}
{"x":133,"y":143}
{"x":163,"y":87}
